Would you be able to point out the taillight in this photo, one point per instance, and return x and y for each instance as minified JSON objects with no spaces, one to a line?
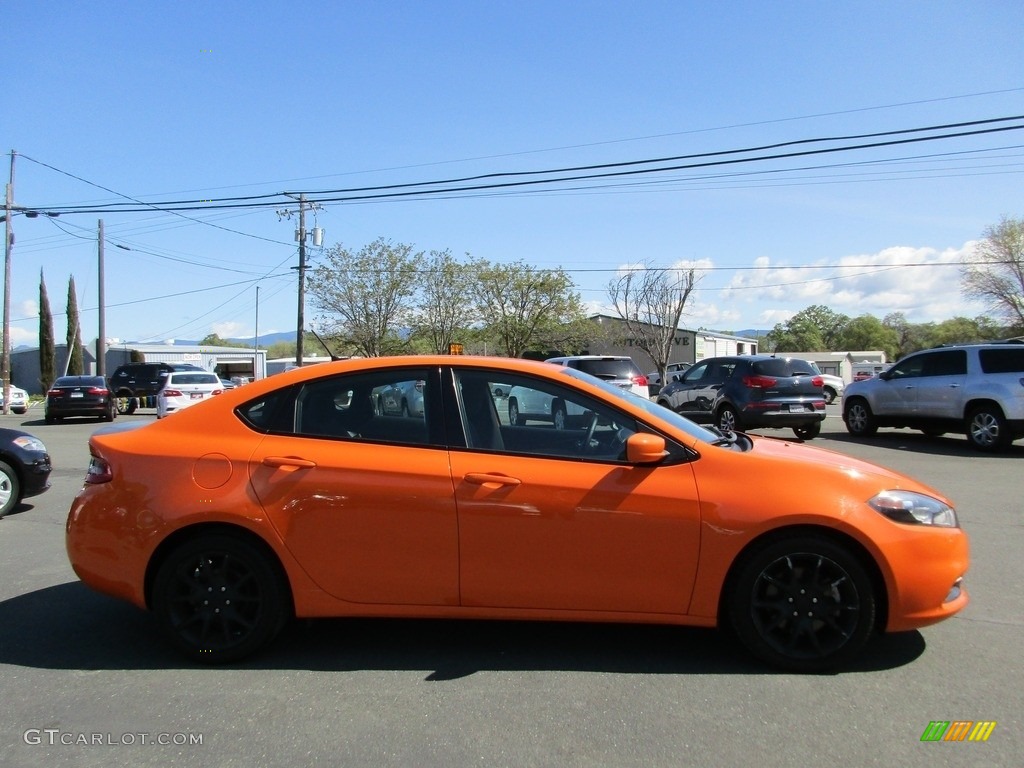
{"x":640,"y":381}
{"x":55,"y":393}
{"x":168,"y":392}
{"x":759,"y":382}
{"x":818,"y":381}
{"x":99,"y":391}
{"x":99,"y":472}
{"x":216,"y":391}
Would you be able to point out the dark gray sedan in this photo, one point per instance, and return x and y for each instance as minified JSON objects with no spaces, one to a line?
{"x":80,"y":396}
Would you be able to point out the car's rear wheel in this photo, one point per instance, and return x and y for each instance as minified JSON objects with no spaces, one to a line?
{"x":513,"y":414}
{"x":127,"y":405}
{"x":987,"y":429}
{"x":805,"y":604}
{"x":727,"y":420}
{"x":558,"y":415}
{"x":808,"y":431}
{"x":10,"y":488}
{"x":220,"y":598}
{"x":859,"y":419}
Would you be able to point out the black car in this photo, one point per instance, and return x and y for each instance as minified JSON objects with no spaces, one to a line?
{"x":136,"y":384}
{"x":24,"y":468}
{"x":748,"y":392}
{"x":80,"y":396}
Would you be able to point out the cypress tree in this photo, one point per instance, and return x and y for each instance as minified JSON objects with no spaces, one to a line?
{"x":47,"y":345}
{"x":75,"y":363}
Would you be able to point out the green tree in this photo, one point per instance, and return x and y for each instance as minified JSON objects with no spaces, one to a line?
{"x":213,"y":340}
{"x":523,"y":307}
{"x":868,"y":332}
{"x":994,"y":272}
{"x":366,"y":297}
{"x":76,"y":365}
{"x":47,"y":342}
{"x":445,"y":309}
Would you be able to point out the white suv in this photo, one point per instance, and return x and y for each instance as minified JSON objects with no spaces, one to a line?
{"x":615,"y":369}
{"x":976,"y":388}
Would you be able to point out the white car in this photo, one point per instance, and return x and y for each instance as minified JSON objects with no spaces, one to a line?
{"x":182,"y":389}
{"x":19,"y":399}
{"x":832,"y":386}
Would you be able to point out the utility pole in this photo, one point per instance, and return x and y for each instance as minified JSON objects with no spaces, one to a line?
{"x":5,"y":364}
{"x":300,"y":236}
{"x":101,"y":340}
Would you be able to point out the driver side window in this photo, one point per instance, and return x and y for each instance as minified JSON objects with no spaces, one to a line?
{"x":523,"y":415}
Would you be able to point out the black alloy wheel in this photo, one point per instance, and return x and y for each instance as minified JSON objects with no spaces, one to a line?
{"x":804,"y":604}
{"x":220,"y":598}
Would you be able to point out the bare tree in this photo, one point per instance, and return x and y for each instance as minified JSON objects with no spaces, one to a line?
{"x":651,"y":301}
{"x":366,"y":297}
{"x":446,"y":308}
{"x":994,"y":273}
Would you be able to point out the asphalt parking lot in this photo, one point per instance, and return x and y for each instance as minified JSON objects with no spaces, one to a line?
{"x":87,"y":680}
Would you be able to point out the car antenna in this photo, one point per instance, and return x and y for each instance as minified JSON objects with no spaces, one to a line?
{"x":334,"y":357}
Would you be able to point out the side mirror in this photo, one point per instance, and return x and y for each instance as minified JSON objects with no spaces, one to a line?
{"x":645,"y":448}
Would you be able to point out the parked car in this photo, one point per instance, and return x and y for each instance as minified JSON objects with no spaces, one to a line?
{"x":619,"y":370}
{"x":672,"y":370}
{"x":294,"y":497}
{"x":136,"y":384}
{"x":977,"y":389}
{"x":748,"y":392}
{"x":19,"y":400}
{"x":183,"y":389}
{"x":401,"y":398}
{"x":79,"y":396}
{"x":24,"y":468}
{"x":832,"y":386}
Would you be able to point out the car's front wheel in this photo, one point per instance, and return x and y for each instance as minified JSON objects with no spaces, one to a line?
{"x":987,"y":429}
{"x":10,"y":488}
{"x":513,"y":414}
{"x":558,"y":415}
{"x":859,"y":419}
{"x":830,"y":395}
{"x":805,"y":604}
{"x":220,"y":598}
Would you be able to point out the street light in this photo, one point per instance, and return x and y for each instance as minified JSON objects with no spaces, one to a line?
{"x":11,"y":210}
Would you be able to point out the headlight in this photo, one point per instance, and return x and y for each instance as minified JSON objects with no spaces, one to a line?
{"x":29,"y":443}
{"x":910,"y":507}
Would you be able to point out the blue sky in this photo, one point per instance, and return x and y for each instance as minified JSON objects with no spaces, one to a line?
{"x":107,"y":101}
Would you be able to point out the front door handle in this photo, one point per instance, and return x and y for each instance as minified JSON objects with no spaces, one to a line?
{"x":288,"y":461}
{"x":486,"y":478}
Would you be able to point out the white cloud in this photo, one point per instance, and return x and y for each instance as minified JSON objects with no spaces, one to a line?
{"x":230,"y":330}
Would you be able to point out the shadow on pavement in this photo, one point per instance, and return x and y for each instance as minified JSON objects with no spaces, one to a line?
{"x":71,"y":627}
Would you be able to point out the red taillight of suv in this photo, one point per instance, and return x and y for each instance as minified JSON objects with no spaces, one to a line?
{"x":640,"y":381}
{"x":818,"y":381}
{"x":759,"y":382}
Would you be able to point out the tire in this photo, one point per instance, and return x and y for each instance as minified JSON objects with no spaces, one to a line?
{"x":987,"y":430}
{"x":10,"y":488}
{"x":405,"y":407}
{"x":220,"y":598}
{"x":48,"y":418}
{"x":808,"y":431}
{"x":127,"y":405}
{"x":805,"y":604}
{"x":727,"y":420}
{"x":830,"y":395}
{"x":934,"y":432}
{"x":514,"y":418}
{"x":859,"y":419}
{"x":558,"y":415}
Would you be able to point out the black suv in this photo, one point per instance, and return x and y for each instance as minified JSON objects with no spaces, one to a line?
{"x":750,"y":391}
{"x":134,"y":383}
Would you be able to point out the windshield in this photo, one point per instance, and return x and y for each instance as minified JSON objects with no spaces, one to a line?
{"x":658,"y":412}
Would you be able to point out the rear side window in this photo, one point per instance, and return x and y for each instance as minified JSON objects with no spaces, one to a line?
{"x":783,"y":367}
{"x":607,"y":369}
{"x":1002,"y":360}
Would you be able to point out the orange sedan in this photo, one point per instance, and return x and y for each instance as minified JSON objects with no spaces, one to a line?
{"x":298,"y":495}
